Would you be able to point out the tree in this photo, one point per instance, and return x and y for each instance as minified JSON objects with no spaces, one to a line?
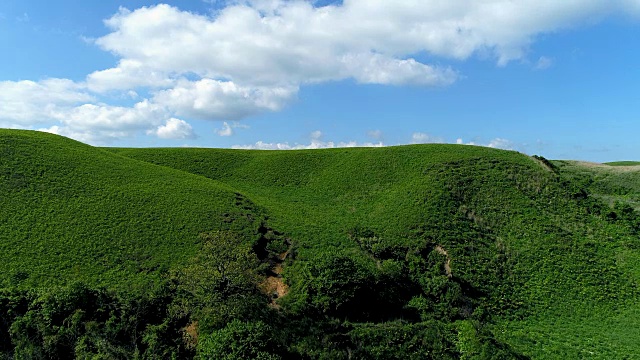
{"x":220,"y":284}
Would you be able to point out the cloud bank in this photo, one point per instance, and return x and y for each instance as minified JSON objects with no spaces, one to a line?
{"x":253,"y":56}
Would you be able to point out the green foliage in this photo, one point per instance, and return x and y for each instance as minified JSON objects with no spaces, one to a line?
{"x":80,"y":322}
{"x":332,"y":284}
{"x":623,"y":163}
{"x":71,"y":212}
{"x":240,"y":340}
{"x":426,"y":251}
{"x":220,"y":283}
{"x":394,"y":340}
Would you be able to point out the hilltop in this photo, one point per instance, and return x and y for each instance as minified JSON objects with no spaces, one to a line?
{"x":420,"y":251}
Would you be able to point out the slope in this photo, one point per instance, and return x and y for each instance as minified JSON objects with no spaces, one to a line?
{"x":619,"y":182}
{"x":524,"y":242}
{"x":72,"y":212}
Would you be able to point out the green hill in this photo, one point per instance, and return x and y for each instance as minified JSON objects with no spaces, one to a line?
{"x":623,"y":163}
{"x":74,"y":212}
{"x":422,"y":251}
{"x":619,"y":183}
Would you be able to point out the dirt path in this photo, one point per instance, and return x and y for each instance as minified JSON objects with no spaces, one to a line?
{"x":274,"y":285}
{"x":447,"y":264}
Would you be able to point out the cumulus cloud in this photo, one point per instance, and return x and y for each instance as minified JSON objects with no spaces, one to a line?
{"x":228,"y":128}
{"x":371,"y":41}
{"x":29,"y":102}
{"x":219,"y":100}
{"x":500,"y":143}
{"x":253,"y":56}
{"x":497,"y":143}
{"x":315,"y":142}
{"x":423,"y":138}
{"x":295,"y":43}
{"x":129,"y":74}
{"x":174,"y":129}
{"x":261,"y":145}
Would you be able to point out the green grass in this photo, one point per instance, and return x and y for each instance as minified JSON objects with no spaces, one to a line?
{"x":623,"y":163}
{"x":610,"y":183}
{"x":74,"y":212}
{"x":531,"y":247}
{"x":554,"y":254}
{"x":594,"y":334}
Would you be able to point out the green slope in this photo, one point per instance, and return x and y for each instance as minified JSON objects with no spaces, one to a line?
{"x":623,"y":163}
{"x":612,"y":184}
{"x":425,"y":251}
{"x":74,"y":212}
{"x":521,"y":233}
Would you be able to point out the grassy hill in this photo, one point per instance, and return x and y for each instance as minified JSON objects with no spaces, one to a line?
{"x":422,"y":251}
{"x":70,"y":211}
{"x":522,"y":232}
{"x":623,"y":163}
{"x":612,"y":182}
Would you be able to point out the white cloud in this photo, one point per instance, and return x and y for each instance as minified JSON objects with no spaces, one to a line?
{"x":174,"y":129}
{"x":316,"y":135}
{"x":226,"y":130}
{"x":100,"y":123}
{"x":422,"y":138}
{"x":500,"y":143}
{"x":222,"y":100}
{"x":261,"y":145}
{"x":252,"y":56}
{"x":543,"y":63}
{"x":112,"y":118}
{"x":418,"y":138}
{"x":129,"y":74}
{"x":370,"y":41}
{"x":28,"y":103}
{"x":375,"y":134}
{"x":378,"y":69}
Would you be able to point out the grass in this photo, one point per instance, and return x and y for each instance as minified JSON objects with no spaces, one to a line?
{"x":618,"y":183}
{"x":545,"y":237}
{"x":623,"y":163}
{"x":531,"y":247}
{"x":73,"y":212}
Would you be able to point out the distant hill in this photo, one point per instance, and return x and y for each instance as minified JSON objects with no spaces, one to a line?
{"x":420,"y":251}
{"x":623,"y":163}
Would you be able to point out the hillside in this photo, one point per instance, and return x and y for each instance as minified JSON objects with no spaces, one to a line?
{"x":422,"y":251}
{"x":74,"y":212}
{"x":516,"y":230}
{"x":612,"y":182}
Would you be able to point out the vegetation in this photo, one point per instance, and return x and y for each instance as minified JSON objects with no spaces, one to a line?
{"x":623,"y":163}
{"x":412,"y":252}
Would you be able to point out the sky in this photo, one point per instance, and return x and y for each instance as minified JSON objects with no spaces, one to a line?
{"x":559,"y":79}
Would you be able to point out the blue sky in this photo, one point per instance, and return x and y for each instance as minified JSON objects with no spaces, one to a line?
{"x":559,"y":79}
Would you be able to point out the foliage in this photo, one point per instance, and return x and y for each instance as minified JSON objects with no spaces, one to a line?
{"x":240,"y":340}
{"x":426,"y":251}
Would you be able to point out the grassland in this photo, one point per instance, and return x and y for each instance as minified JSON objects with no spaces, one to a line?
{"x":623,"y":163}
{"x":613,"y":182}
{"x":424,"y":251}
